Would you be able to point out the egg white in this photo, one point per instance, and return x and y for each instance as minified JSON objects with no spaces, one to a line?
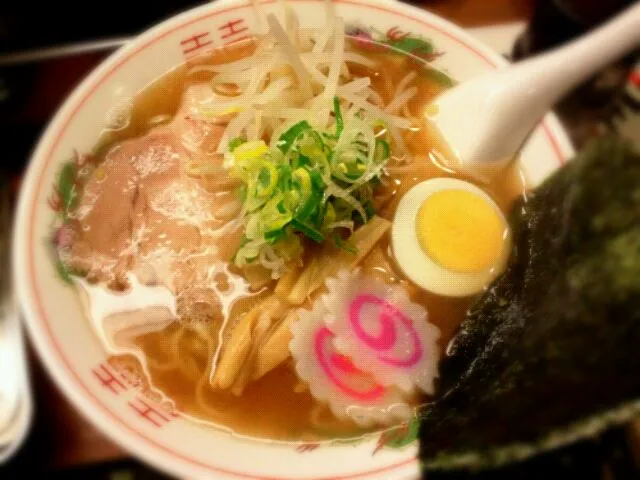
{"x":417,"y":265}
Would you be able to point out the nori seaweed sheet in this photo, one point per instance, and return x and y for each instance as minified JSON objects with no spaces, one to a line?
{"x":556,"y":339}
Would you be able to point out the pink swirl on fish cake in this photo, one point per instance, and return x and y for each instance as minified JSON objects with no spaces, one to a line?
{"x":333,"y":377}
{"x":382,"y":331}
{"x":387,"y":337}
{"x":336,"y":365}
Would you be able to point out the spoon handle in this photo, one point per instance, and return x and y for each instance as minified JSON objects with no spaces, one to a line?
{"x":536,"y":85}
{"x":553,"y":74}
{"x":488,"y":119}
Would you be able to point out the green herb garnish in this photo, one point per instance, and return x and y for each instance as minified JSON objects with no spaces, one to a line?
{"x":287,"y":138}
{"x":414,"y":45}
{"x":310,"y":185}
{"x":338,"y":116}
{"x":236,"y":142}
{"x":64,"y":271}
{"x":67,"y":188}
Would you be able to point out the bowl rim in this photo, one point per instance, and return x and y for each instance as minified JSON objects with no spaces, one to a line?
{"x":25,"y":270}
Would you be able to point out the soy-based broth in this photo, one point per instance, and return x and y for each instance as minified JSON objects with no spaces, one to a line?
{"x":179,"y":356}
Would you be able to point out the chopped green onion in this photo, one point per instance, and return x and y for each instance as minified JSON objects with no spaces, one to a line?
{"x":236,"y":142}
{"x":368,"y":207}
{"x":247,"y":151}
{"x":287,"y":138}
{"x":274,"y":214}
{"x":275,"y":235}
{"x":344,"y":244}
{"x":267,"y":179}
{"x":329,"y":214}
{"x":309,"y":186}
{"x":243,"y":241}
{"x":317,"y":216}
{"x":308,"y":230}
{"x":338,"y":115}
{"x":318,"y":183}
{"x":382,"y":151}
{"x":301,"y":180}
{"x":284,"y":177}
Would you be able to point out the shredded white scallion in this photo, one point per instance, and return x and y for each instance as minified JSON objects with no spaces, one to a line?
{"x":336,"y":61}
{"x":401,"y":100}
{"x":294,"y":58}
{"x":294,"y":74}
{"x":348,"y":224}
{"x":404,"y":83}
{"x":377,"y":113}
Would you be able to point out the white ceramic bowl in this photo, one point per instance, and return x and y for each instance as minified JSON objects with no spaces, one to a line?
{"x":56,"y":324}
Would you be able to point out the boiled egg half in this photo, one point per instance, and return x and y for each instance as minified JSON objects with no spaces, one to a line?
{"x":449,"y":237}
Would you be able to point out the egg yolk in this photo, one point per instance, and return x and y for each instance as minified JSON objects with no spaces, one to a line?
{"x":460,"y":230}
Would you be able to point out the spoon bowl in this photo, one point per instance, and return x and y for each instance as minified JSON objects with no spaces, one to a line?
{"x":486,"y":121}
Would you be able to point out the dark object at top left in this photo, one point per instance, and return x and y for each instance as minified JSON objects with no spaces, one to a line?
{"x":36,"y":75}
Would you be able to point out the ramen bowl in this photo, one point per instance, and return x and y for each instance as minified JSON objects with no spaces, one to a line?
{"x":108,"y":396}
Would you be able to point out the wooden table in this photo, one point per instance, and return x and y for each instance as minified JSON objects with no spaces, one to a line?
{"x":60,"y":436}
